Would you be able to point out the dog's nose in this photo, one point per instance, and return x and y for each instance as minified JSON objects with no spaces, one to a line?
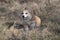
{"x":23,"y":16}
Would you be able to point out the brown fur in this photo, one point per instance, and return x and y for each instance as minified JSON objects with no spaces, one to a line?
{"x":38,"y":21}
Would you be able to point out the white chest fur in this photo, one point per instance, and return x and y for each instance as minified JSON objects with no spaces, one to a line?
{"x":30,"y":23}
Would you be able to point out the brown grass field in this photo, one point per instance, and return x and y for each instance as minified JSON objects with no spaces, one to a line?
{"x":47,"y":10}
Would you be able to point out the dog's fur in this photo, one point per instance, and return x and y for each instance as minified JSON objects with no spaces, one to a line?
{"x":29,"y":20}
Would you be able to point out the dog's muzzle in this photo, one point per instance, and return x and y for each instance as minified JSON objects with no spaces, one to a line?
{"x":24,"y":17}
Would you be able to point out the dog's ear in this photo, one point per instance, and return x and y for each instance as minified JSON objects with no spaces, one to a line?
{"x":32,"y":12}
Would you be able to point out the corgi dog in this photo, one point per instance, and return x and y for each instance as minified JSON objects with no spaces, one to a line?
{"x":29,"y":20}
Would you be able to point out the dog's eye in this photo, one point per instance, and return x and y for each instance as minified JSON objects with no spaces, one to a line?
{"x":26,"y":13}
{"x":21,"y":13}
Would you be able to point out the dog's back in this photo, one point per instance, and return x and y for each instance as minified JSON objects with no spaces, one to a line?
{"x":38,"y":21}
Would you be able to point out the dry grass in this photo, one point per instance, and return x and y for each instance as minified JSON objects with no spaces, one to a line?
{"x":47,"y":10}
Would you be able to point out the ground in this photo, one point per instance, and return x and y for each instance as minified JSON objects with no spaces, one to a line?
{"x":47,"y":10}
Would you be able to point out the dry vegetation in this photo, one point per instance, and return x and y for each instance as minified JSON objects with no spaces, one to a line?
{"x":47,"y":10}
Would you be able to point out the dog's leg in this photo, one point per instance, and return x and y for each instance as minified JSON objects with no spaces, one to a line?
{"x":32,"y":26}
{"x":26,"y":28}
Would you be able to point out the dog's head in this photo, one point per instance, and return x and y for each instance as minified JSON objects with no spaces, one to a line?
{"x":26,"y":15}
